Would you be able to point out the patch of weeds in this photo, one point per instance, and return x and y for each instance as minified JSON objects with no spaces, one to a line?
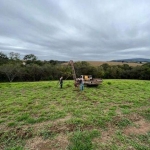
{"x":139,"y":146}
{"x":121,"y":122}
{"x":41,"y":119}
{"x":31,"y":120}
{"x":121,"y":137}
{"x":76,"y":121}
{"x":12,"y":124}
{"x":126,"y":111}
{"x":23,"y":117}
{"x":57,"y":115}
{"x":125,"y":106}
{"x":1,"y":121}
{"x":144,"y":138}
{"x":146,"y":114}
{"x":140,"y":142}
{"x":82,"y":140}
{"x":15,"y":138}
{"x":68,"y":85}
{"x":46,"y":133}
{"x":124,"y":123}
{"x":109,"y":83}
{"x":15,"y":148}
{"x":112,"y":112}
{"x":77,"y":113}
{"x":109,"y":147}
{"x":101,"y":123}
{"x":47,"y":87}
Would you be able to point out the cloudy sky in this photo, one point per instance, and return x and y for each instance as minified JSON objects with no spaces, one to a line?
{"x":99,"y":30}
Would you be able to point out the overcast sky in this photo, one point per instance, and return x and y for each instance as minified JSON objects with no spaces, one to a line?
{"x":99,"y":30}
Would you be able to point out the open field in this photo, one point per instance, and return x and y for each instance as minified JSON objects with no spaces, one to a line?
{"x":39,"y":115}
{"x":99,"y":63}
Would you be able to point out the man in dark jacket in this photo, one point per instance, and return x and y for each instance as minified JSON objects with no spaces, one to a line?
{"x":61,"y":82}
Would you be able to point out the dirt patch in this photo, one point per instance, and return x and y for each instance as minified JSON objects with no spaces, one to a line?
{"x":141,"y":127}
{"x":32,"y":143}
{"x":63,"y":141}
{"x":119,"y":120}
{"x":135,"y":117}
{"x":55,"y":122}
{"x":60,"y":142}
{"x":62,"y":119}
{"x":105,"y":136}
{"x":115,"y":121}
{"x":62,"y":128}
{"x":65,"y":128}
{"x":118,"y":112}
{"x":16,"y":133}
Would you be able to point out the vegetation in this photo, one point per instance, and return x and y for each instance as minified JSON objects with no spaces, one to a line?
{"x":115,"y":115}
{"x":31,"y":69}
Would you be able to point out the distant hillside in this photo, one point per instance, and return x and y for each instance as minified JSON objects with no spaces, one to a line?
{"x":113,"y":63}
{"x":135,"y":60}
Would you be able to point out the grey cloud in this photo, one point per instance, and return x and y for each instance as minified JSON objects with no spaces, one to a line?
{"x":79,"y":30}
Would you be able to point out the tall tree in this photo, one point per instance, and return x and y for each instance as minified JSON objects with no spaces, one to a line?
{"x":10,"y":70}
{"x":14,"y":56}
{"x":30,"y":57}
{"x":3,"y":58}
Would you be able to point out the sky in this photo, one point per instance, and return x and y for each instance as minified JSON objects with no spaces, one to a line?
{"x":79,"y":30}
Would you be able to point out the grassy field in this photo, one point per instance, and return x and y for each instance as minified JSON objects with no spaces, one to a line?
{"x":111,"y":63}
{"x":40,"y":115}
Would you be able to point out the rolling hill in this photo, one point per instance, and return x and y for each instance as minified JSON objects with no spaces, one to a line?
{"x":136,"y":60}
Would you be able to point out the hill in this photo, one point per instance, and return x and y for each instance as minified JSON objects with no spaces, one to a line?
{"x":112,"y":63}
{"x":136,"y":60}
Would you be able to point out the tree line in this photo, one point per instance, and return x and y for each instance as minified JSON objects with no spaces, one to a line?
{"x":12,"y":68}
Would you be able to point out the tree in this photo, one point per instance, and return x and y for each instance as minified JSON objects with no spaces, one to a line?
{"x":126,"y":67}
{"x":10,"y":70}
{"x":82,"y":68}
{"x":105,"y":66}
{"x":35,"y":72}
{"x":100,"y":72}
{"x":14,"y":56}
{"x":47,"y":72}
{"x":3,"y":58}
{"x":53,"y":62}
{"x":30,"y":57}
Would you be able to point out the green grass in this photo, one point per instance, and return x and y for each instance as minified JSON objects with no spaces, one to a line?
{"x":31,"y":110}
{"x":82,"y":140}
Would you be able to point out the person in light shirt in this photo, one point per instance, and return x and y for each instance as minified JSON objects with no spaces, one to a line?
{"x":81,"y":83}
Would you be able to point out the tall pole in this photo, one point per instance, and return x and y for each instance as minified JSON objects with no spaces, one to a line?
{"x":73,"y":70}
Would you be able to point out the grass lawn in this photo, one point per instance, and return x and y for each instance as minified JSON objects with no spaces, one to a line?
{"x":40,"y":115}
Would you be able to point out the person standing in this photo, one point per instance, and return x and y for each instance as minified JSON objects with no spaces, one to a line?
{"x":81,"y":83}
{"x":61,"y":82}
